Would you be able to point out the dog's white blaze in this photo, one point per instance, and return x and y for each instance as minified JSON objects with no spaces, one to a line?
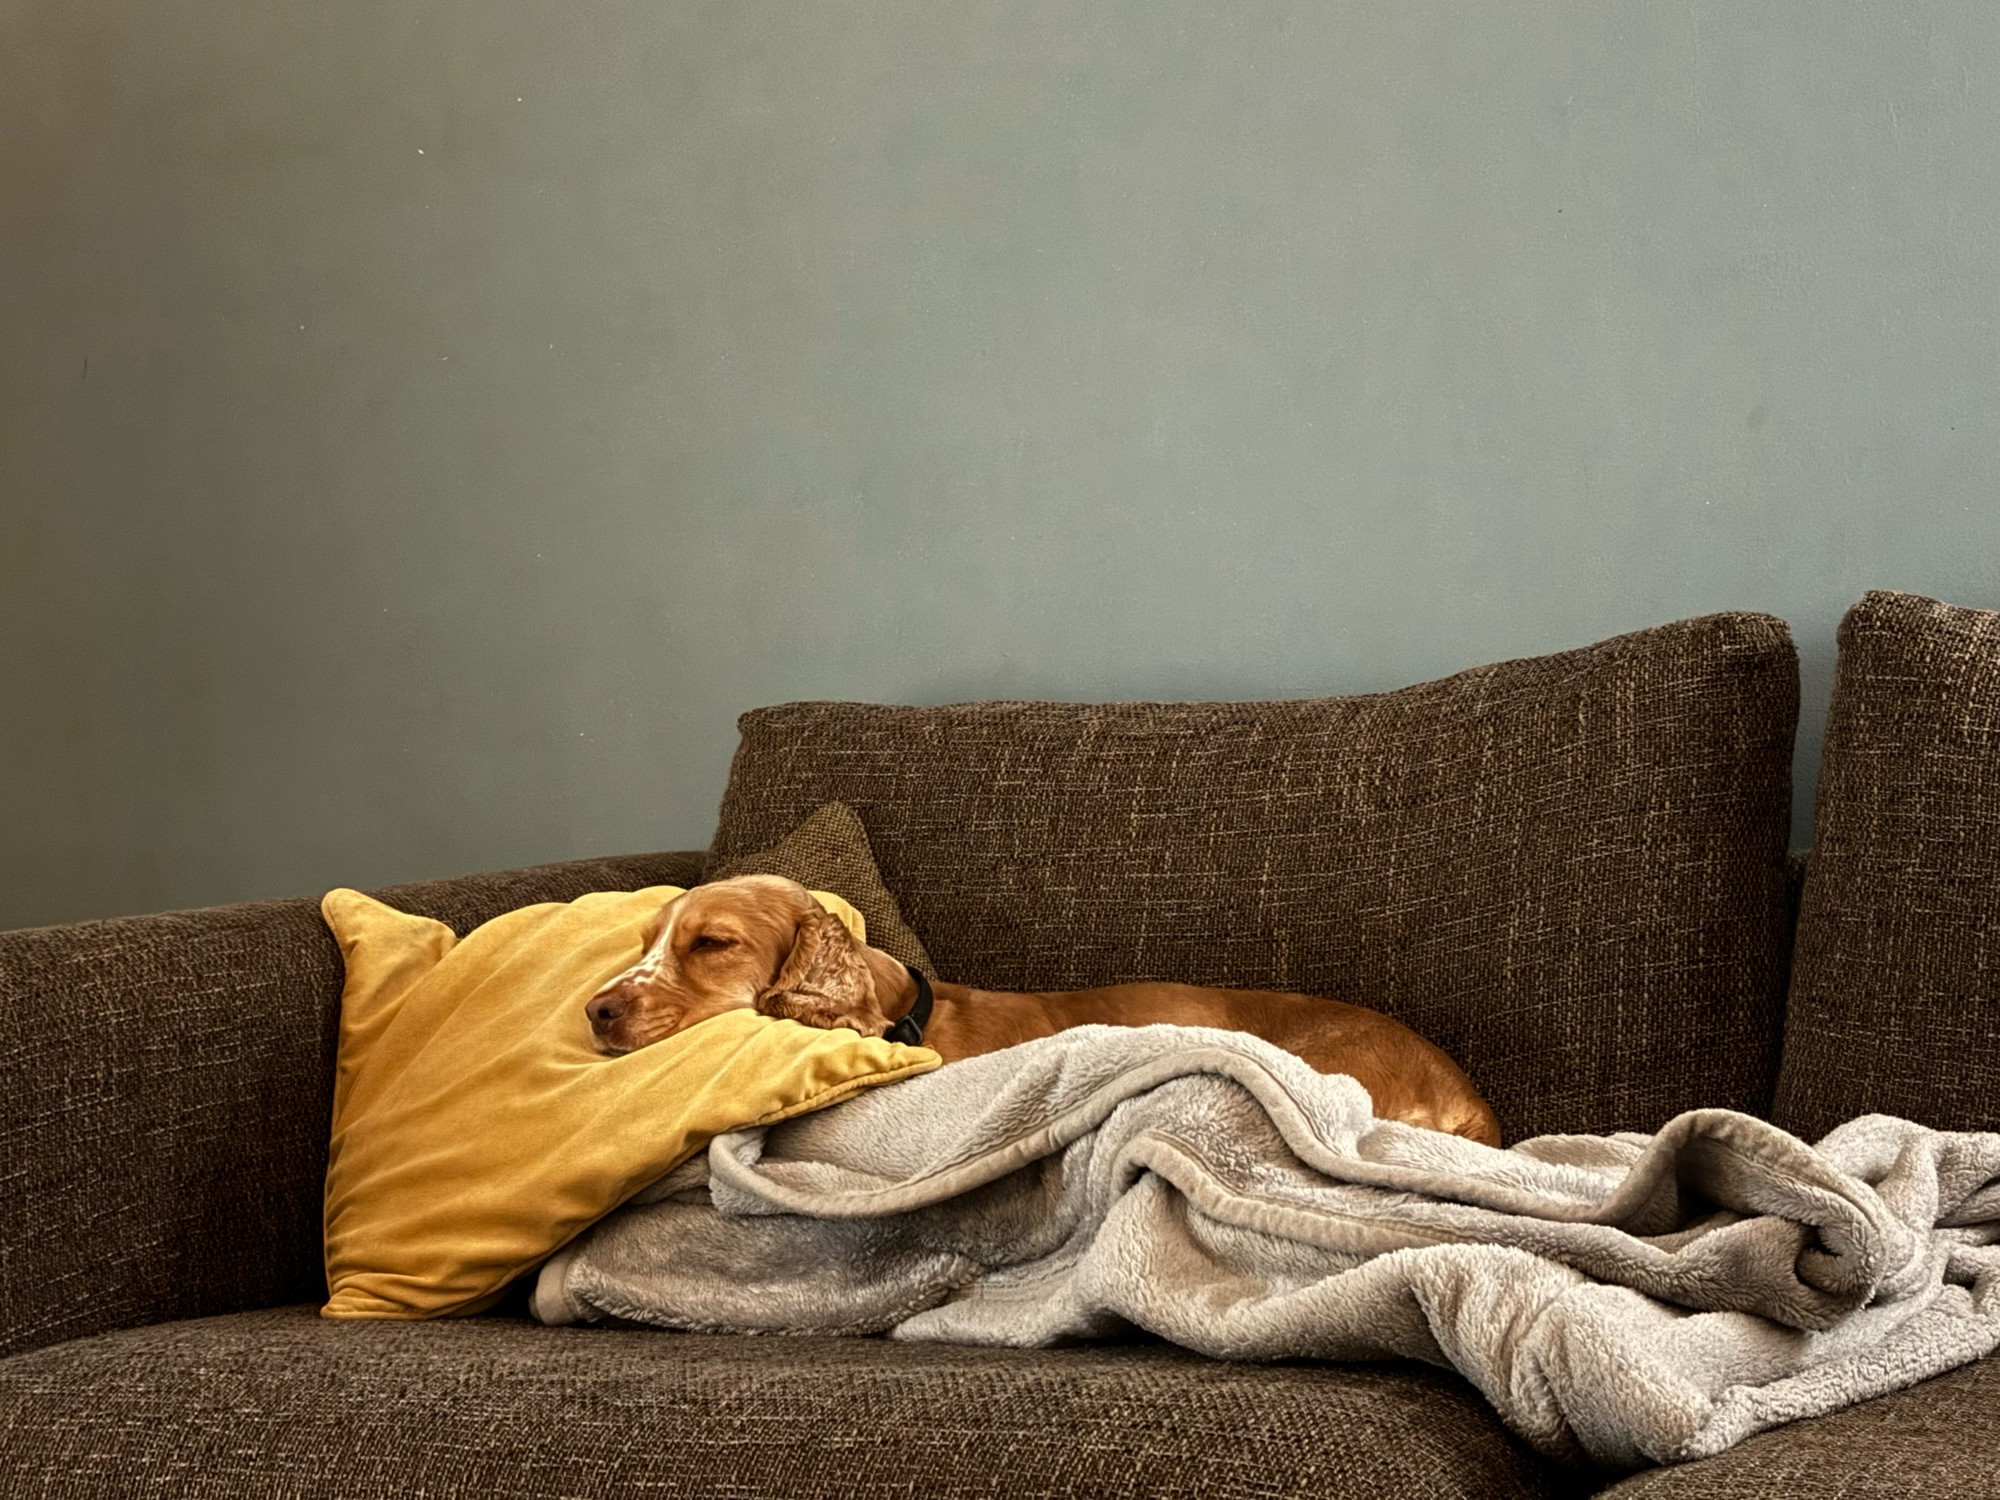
{"x":653,"y":962}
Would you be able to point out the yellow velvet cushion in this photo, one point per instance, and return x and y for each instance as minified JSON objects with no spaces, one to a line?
{"x":475,"y":1128}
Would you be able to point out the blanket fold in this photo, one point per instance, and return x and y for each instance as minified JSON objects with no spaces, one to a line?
{"x":1620,"y":1300}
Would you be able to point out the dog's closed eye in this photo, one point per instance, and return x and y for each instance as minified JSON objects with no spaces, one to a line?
{"x":707,"y":940}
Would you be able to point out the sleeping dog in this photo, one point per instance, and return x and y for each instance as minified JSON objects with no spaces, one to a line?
{"x":762,"y":942}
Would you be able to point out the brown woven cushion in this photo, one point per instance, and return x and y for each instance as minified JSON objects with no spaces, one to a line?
{"x":283,"y":1403}
{"x":1895,"y":1003}
{"x":1567,"y":871}
{"x":829,"y":852}
{"x":168,"y":1085}
{"x":1935,"y":1441}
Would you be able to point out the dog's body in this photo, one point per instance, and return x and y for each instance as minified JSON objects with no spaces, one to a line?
{"x":762,"y":942}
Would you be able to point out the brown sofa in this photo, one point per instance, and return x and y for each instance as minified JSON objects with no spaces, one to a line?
{"x":1570,"y":871}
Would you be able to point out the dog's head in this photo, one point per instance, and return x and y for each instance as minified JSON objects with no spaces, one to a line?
{"x":757,"y":942}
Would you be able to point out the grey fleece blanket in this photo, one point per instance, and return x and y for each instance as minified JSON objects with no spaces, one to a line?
{"x":1621,"y":1300}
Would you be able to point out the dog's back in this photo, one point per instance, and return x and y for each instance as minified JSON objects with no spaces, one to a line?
{"x":1407,"y":1077}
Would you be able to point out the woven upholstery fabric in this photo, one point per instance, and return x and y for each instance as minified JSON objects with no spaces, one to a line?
{"x":1567,"y":871}
{"x":829,"y":852}
{"x":282,"y":1403}
{"x":168,"y":1084}
{"x":1895,"y":1003}
{"x":1939,"y":1440}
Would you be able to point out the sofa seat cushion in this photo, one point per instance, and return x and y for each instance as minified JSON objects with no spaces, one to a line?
{"x":1895,"y":1003}
{"x":1567,"y":871}
{"x":282,"y":1402}
{"x":1940,"y":1440}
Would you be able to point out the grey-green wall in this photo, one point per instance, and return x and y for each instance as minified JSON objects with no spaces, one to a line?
{"x":425,"y":425}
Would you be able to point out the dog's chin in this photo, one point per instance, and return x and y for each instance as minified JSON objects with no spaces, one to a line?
{"x":619,"y":1043}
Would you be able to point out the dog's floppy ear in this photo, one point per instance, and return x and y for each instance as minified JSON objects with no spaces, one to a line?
{"x":824,"y":980}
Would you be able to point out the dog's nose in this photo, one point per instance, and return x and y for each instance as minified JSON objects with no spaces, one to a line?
{"x":606,"y":1008}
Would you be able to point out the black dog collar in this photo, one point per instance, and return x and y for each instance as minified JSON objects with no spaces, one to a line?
{"x":910,"y":1030}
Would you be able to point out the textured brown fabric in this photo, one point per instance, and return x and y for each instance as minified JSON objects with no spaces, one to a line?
{"x":1895,"y":1002}
{"x":283,"y":1403}
{"x":1567,"y":871}
{"x":829,"y":852}
{"x":168,"y":1085}
{"x":1938,"y":1441}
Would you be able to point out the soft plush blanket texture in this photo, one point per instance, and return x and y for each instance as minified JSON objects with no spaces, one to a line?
{"x":1620,"y":1300}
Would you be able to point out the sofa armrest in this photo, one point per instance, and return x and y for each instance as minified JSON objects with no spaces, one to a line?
{"x":167,"y":1085}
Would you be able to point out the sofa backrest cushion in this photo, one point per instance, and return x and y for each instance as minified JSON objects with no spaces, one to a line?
{"x":1568,"y":871}
{"x":1895,"y":1000}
